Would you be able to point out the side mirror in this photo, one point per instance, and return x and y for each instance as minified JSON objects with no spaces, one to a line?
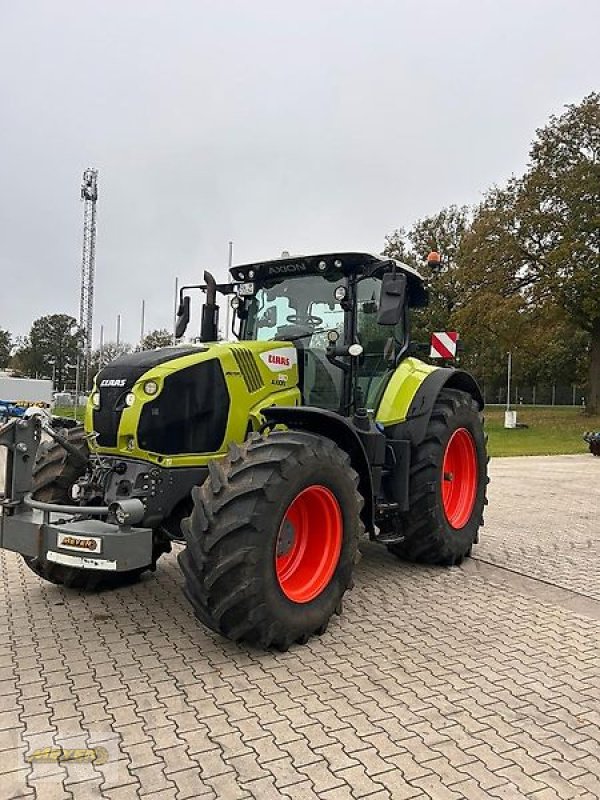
{"x":393,"y":296}
{"x":183,"y":317}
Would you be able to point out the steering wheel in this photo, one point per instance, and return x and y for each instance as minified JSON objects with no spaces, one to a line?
{"x":310,"y":319}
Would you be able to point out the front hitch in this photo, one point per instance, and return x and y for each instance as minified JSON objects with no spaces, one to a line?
{"x":83,"y":542}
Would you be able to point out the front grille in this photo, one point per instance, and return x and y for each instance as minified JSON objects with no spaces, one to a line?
{"x":190,"y":413}
{"x":250,"y":373}
{"x":122,"y":373}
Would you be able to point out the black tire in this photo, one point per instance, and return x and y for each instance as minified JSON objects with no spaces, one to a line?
{"x":55,"y":470}
{"x":429,"y":536}
{"x":232,"y":536}
{"x":54,"y":473}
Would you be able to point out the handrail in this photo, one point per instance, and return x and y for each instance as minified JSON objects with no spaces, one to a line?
{"x":87,"y":511}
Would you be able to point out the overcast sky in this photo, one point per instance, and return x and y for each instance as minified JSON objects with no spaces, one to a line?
{"x":303,"y":126}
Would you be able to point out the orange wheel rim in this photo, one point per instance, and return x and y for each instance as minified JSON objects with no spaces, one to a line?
{"x":308,"y":544}
{"x":459,"y":478}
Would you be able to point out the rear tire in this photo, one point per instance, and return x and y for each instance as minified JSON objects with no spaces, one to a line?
{"x":54,"y":473}
{"x":448,"y":482}
{"x":272,"y":539}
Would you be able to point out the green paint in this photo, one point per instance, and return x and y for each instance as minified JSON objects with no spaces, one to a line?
{"x":280,"y":387}
{"x":244,"y":407}
{"x":401,"y":389}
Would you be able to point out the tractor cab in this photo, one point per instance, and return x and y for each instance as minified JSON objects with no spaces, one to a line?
{"x":345,"y":313}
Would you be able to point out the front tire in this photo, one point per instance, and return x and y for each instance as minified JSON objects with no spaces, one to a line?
{"x":448,"y":482}
{"x":272,"y":539}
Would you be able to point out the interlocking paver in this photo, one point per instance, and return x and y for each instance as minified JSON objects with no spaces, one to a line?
{"x":152,"y":778}
{"x":284,"y":772}
{"x":361,"y":784}
{"x":189,"y":784}
{"x":433,"y":787}
{"x":304,"y":791}
{"x":120,"y":793}
{"x":49,"y":790}
{"x":464,"y":683}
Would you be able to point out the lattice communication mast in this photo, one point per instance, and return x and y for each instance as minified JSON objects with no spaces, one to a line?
{"x":89,"y":195}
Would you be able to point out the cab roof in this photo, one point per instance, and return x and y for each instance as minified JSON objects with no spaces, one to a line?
{"x":327,"y":263}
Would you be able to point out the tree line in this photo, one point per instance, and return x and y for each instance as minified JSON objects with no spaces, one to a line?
{"x":520,"y":272}
{"x":55,"y":344}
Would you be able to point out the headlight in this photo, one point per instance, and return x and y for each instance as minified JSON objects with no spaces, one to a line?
{"x":129,"y":399}
{"x":340,"y":293}
{"x":96,"y":399}
{"x":151,"y":387}
{"x":127,"y":512}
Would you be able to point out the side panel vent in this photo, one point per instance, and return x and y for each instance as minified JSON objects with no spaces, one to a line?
{"x":248,"y":368}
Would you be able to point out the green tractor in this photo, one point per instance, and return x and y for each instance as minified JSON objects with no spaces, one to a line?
{"x":268,"y":457}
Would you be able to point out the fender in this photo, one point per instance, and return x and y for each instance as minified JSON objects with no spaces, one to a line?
{"x":421,"y":406}
{"x":342,"y":432}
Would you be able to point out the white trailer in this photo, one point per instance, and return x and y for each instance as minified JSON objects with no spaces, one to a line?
{"x":25,"y":391}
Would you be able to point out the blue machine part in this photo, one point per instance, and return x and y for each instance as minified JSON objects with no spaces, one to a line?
{"x":10,"y":410}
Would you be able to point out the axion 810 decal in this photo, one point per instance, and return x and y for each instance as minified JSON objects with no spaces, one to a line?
{"x":280,"y":359}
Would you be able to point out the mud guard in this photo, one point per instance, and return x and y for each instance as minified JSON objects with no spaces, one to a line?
{"x":340,"y":430}
{"x":421,"y":406}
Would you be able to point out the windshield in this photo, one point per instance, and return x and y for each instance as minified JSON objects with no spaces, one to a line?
{"x":296,"y":306}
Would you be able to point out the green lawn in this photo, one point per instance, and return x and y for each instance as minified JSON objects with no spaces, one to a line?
{"x":553,"y":430}
{"x":69,"y":411}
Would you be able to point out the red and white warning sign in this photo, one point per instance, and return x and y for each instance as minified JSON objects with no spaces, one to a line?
{"x":443,"y":345}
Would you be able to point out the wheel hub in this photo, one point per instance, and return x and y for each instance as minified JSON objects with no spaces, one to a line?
{"x":285,"y":540}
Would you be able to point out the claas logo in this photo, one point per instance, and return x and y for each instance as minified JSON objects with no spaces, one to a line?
{"x":118,"y":382}
{"x":282,"y":361}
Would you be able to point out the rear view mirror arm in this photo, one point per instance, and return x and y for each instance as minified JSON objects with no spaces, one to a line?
{"x":210,"y":309}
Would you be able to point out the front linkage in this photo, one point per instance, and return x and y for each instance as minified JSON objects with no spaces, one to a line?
{"x":94,"y":537}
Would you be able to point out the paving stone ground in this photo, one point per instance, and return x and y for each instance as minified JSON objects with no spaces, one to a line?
{"x":474,"y":682}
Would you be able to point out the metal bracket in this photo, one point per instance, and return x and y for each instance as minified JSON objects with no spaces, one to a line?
{"x":21,"y":437}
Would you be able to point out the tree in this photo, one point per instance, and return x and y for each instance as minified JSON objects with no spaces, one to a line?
{"x":52,"y":348}
{"x":560,"y":201}
{"x":455,"y":299}
{"x":5,"y":348}
{"x":157,"y":338}
{"x":538,"y":238}
{"x":110,"y":351}
{"x":442,"y":232}
{"x":478,"y":292}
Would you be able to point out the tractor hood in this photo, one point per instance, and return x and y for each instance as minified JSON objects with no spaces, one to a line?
{"x":177,"y":402}
{"x":124,"y":371}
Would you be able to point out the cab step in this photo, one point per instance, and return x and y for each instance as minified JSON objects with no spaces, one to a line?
{"x":389,"y":537}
